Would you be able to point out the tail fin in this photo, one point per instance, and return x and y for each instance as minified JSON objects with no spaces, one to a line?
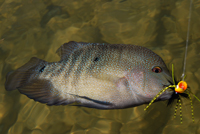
{"x":20,"y":77}
{"x":26,"y":80}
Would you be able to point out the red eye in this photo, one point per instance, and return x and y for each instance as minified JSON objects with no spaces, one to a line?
{"x":157,"y":69}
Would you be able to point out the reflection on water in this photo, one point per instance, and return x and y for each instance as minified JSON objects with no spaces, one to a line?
{"x":37,"y":28}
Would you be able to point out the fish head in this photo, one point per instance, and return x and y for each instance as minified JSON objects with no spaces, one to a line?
{"x":148,"y":78}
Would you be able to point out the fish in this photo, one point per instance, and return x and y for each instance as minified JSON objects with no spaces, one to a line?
{"x":94,"y":75}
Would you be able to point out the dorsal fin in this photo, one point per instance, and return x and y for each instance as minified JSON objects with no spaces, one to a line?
{"x":68,"y":48}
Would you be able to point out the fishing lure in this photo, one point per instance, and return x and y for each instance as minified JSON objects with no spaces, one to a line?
{"x":180,"y":89}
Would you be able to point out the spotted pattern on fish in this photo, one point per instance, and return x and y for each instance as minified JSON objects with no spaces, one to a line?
{"x":105,"y":76}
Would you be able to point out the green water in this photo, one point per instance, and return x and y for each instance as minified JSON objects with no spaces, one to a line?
{"x":38,"y":27}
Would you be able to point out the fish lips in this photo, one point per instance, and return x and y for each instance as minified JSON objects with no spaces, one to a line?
{"x":167,"y":94}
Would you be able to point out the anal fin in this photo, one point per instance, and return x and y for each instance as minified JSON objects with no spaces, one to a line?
{"x":42,"y":91}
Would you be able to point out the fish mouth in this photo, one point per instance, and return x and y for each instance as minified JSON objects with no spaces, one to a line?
{"x":166,"y":95}
{"x":170,"y":82}
{"x":170,"y":93}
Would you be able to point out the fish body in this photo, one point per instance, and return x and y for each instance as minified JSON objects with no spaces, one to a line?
{"x":104,"y":76}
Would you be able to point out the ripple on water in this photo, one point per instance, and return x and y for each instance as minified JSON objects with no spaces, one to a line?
{"x":17,"y":128}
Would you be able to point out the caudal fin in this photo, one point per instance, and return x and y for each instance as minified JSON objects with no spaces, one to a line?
{"x":26,"y":80}
{"x":20,"y":77}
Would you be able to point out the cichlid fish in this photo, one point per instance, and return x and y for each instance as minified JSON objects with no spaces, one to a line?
{"x":104,"y":76}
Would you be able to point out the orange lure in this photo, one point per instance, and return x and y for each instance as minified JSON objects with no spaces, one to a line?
{"x":179,"y":89}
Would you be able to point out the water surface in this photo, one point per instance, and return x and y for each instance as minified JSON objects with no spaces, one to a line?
{"x":38,"y":27}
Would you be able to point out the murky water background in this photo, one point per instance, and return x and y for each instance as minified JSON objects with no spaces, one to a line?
{"x":38,"y":27}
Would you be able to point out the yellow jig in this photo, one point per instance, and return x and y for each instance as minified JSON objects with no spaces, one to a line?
{"x":179,"y":89}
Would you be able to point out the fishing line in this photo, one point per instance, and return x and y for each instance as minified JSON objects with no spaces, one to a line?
{"x":180,"y":88}
{"x":187,"y":41}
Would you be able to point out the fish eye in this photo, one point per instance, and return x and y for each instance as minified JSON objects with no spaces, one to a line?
{"x":42,"y":69}
{"x":157,"y":69}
